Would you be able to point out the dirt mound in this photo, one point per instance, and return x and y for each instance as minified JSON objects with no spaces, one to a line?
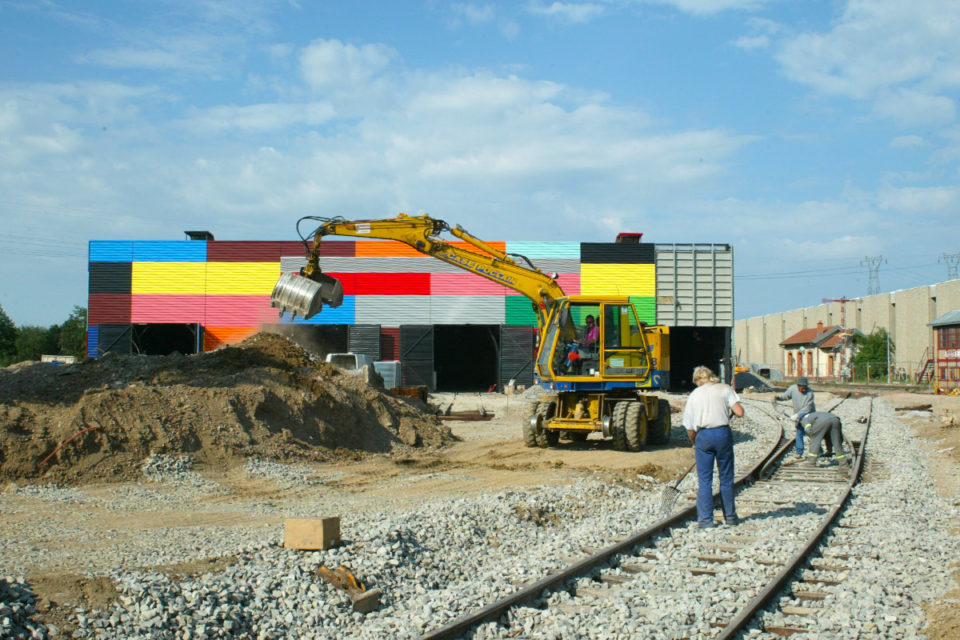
{"x":264,"y":397}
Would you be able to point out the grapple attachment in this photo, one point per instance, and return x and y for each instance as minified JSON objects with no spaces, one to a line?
{"x":305,"y":296}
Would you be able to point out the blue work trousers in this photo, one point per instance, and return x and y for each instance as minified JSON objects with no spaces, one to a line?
{"x":800,"y":434}
{"x":711,"y":445}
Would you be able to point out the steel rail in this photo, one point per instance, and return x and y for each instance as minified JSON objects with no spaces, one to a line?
{"x":552,"y":582}
{"x":777,"y":583}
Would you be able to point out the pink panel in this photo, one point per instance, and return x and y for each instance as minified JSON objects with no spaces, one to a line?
{"x":570,"y":283}
{"x":240,"y":311}
{"x":465,"y":284}
{"x":166,"y":309}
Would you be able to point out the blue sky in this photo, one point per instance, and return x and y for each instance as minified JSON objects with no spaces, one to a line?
{"x":806,"y":134}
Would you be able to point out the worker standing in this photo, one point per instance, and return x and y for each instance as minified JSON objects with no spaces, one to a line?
{"x":706,"y":417}
{"x":819,"y":424}
{"x":802,"y":397}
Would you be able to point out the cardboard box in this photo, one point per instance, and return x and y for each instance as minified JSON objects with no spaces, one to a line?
{"x":311,"y":534}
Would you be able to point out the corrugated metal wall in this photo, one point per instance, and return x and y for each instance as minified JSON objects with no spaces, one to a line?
{"x":225,"y":286}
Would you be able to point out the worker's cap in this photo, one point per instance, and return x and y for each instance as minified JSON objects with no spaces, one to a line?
{"x":803,"y":382}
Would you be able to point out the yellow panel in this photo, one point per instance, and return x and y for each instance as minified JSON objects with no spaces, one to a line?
{"x":168,"y":277}
{"x":618,"y":279}
{"x":242,"y":278}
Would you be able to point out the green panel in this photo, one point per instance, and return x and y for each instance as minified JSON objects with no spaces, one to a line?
{"x":646,"y":307}
{"x":519,"y":312}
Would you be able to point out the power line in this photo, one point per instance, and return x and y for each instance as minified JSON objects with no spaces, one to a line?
{"x":873,"y":265}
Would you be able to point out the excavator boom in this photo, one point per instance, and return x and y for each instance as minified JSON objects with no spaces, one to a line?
{"x":304,"y":294}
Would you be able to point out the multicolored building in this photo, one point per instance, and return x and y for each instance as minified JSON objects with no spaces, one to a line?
{"x":451,"y":330}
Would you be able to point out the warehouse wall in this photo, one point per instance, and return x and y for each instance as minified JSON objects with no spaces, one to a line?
{"x":904,"y":313}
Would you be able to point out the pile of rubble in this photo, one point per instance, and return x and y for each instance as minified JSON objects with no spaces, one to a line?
{"x":265,"y":397}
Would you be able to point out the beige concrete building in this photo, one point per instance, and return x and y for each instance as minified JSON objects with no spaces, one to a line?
{"x":905,"y":314}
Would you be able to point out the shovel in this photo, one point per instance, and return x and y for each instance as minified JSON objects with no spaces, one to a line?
{"x":670,"y":493}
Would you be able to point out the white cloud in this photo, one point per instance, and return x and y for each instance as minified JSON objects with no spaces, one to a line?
{"x":750,"y":43}
{"x":707,"y":7}
{"x":902,"y":56}
{"x":259,"y":117}
{"x":925,"y":200}
{"x":333,"y":65}
{"x":473,"y":13}
{"x":575,"y":12}
{"x":908,"y":142}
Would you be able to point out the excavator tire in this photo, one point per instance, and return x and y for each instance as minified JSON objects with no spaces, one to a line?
{"x":617,"y":426}
{"x":659,"y":429}
{"x":546,"y":438}
{"x":529,"y":429}
{"x":635,"y":425}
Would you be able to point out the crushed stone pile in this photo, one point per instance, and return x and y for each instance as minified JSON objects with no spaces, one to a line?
{"x":265,"y":397}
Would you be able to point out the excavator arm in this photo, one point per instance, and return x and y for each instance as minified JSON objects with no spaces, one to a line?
{"x":304,"y":294}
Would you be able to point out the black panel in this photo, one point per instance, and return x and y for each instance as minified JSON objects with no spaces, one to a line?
{"x":164,"y":339}
{"x":416,"y":355}
{"x":517,"y":353}
{"x":691,"y":347}
{"x":613,"y":253}
{"x":115,"y":338}
{"x":364,"y":339}
{"x":110,"y":277}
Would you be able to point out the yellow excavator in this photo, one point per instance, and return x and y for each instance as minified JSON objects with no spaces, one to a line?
{"x":594,"y":379}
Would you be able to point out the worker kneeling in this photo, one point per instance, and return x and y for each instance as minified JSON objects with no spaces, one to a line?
{"x":818,"y":424}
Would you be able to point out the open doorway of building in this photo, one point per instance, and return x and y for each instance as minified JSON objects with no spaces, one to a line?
{"x":164,"y":339}
{"x":691,"y":347}
{"x":466,"y":356}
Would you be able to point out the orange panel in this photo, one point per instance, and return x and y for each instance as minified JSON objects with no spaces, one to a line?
{"x":216,"y":337}
{"x":392,"y":248}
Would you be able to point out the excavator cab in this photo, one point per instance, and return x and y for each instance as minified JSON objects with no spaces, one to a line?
{"x":594,"y":340}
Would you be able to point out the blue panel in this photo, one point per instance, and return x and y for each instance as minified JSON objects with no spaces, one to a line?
{"x":344,"y":314}
{"x":545,"y":249}
{"x":93,"y":341}
{"x":111,"y":251}
{"x":170,"y":251}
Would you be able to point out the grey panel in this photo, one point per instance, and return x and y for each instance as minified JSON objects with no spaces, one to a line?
{"x":516,"y":355}
{"x":694,"y":285}
{"x":364,"y":339}
{"x":115,"y":338}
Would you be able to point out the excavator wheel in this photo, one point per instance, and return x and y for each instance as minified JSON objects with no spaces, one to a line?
{"x":546,"y":438}
{"x":529,"y":425}
{"x":659,"y":430}
{"x":635,"y":425}
{"x":617,"y":423}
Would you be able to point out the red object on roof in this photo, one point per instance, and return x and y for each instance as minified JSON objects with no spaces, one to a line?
{"x":629,"y":238}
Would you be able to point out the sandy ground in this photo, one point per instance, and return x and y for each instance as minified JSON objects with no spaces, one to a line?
{"x":488,"y":456}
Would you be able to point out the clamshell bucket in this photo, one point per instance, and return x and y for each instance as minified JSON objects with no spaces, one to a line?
{"x":305,"y":296}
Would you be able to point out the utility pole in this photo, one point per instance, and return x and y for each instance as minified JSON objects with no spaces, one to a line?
{"x":843,"y":329}
{"x":951,"y":259}
{"x":873,"y":264}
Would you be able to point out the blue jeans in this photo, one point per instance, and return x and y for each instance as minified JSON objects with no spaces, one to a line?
{"x":800,"y":434}
{"x":715,"y":444}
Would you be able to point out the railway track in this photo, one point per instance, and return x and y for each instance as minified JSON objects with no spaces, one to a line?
{"x":673,"y":580}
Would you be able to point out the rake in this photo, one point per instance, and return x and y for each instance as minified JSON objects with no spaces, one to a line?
{"x":670,"y":492}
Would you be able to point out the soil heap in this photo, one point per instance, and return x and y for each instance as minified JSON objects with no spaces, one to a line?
{"x":265,"y":397}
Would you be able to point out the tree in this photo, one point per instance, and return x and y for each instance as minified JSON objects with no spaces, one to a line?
{"x":872,"y":353}
{"x":73,"y":334}
{"x":8,"y":339}
{"x":33,"y":342}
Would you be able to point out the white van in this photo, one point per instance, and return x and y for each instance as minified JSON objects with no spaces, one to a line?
{"x":350,"y":361}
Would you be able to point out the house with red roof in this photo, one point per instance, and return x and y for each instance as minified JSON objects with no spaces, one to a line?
{"x":820,"y":352}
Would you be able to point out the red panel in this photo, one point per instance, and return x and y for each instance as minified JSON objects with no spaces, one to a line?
{"x":389,"y":343}
{"x":270,"y":251}
{"x":239,"y":311}
{"x":108,"y":308}
{"x":163,"y":308}
{"x":465,"y":284}
{"x":390,"y":284}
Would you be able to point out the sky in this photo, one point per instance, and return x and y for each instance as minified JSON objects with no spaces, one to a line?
{"x":817,"y":138}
